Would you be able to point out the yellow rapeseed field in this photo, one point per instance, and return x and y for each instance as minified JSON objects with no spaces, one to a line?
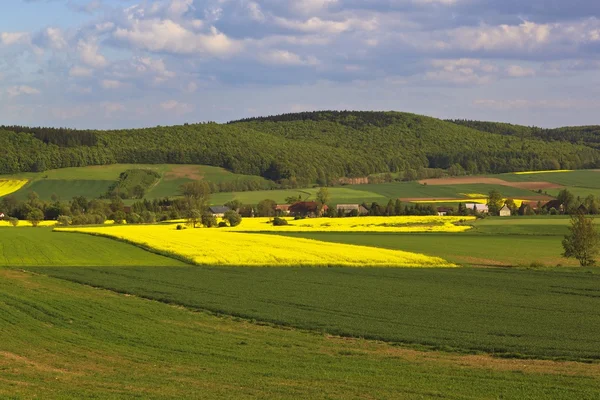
{"x":542,"y":172}
{"x":358,"y":224}
{"x":219,"y":247}
{"x":11,"y":186}
{"x":5,"y":223}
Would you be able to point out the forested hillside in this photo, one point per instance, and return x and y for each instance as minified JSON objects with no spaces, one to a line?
{"x":302,"y":148}
{"x":586,"y":135}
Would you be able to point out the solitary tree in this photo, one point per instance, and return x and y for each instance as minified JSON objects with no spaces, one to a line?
{"x":495,"y":202}
{"x":583,"y":240}
{"x":266,"y":208}
{"x":196,"y":195}
{"x":194,"y":217}
{"x":322,"y":197}
{"x":35,"y":216}
{"x":233,"y":218}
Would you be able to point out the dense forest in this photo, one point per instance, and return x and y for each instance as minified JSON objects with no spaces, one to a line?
{"x":584,"y":135}
{"x":316,"y":147}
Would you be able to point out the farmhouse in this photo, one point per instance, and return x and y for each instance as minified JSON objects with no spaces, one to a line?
{"x":443,"y":211}
{"x":480,"y":208}
{"x":346,"y":209}
{"x":554,"y":204}
{"x":505,"y":211}
{"x":219,"y":211}
{"x":282,"y":209}
{"x":307,"y":209}
{"x":1,"y":215}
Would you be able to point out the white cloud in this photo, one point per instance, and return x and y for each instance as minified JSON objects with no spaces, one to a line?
{"x":88,"y":53}
{"x":15,"y":91}
{"x":169,"y":36}
{"x":80,"y":72}
{"x":318,"y":25}
{"x":55,"y":38}
{"x":517,"y":71}
{"x":462,"y":71}
{"x":111,"y":84}
{"x":284,"y":57}
{"x":12,"y":38}
{"x":111,"y":108}
{"x":311,"y":6}
{"x":176,"y":107}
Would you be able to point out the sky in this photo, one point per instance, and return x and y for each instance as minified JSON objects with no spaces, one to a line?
{"x":107,"y":64}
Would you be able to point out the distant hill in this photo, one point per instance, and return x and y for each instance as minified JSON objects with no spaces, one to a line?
{"x":586,"y":135}
{"x":303,"y":148}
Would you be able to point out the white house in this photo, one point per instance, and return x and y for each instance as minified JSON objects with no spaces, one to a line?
{"x":1,"y":215}
{"x":505,"y":211}
{"x":480,"y":208}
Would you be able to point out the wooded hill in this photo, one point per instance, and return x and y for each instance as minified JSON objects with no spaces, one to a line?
{"x":303,"y":148}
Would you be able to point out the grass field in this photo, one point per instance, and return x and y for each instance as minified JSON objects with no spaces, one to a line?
{"x":94,"y":181}
{"x":80,"y":342}
{"x":517,"y":313}
{"x":20,"y":247}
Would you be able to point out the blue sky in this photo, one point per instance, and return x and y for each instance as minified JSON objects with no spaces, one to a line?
{"x":135,"y":63}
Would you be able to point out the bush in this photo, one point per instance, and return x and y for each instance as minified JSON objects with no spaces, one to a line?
{"x":209,"y":220}
{"x":180,"y":227}
{"x":223,"y":224}
{"x":279,"y":222}
{"x":13,"y":221}
{"x":233,"y":218}
{"x":132,"y":218}
{"x":64,"y":220}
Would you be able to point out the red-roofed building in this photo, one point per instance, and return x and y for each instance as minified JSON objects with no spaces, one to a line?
{"x":307,"y":209}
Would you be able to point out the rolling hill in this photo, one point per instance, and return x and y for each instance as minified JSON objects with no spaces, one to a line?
{"x":299,"y":149}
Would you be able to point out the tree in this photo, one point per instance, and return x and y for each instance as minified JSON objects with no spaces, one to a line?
{"x":398,"y":207}
{"x":495,"y":202}
{"x":194,"y":217}
{"x":266,"y":208}
{"x":209,"y":220}
{"x":196,"y":195}
{"x":293,"y":199}
{"x":234,"y":205}
{"x":583,"y":240}
{"x":233,"y":218}
{"x":389,"y":209}
{"x":567,"y":199}
{"x":35,"y":216}
{"x":322,"y":197}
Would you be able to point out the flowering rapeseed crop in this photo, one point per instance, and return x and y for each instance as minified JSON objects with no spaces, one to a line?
{"x":11,"y":186}
{"x":27,"y":223}
{"x":218,"y":247}
{"x":358,"y":224}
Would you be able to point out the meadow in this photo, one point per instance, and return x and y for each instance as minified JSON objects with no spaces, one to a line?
{"x":80,"y":342}
{"x":504,"y":312}
{"x":20,"y":247}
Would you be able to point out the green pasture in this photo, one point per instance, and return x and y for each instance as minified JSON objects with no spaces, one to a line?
{"x":579,"y":178}
{"x":507,"y":312}
{"x":94,"y":181}
{"x":463,"y":248}
{"x":68,"y":341}
{"x":64,"y":189}
{"x":22,"y":246}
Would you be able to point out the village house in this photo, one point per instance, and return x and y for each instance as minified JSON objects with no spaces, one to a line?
{"x":443,"y":211}
{"x":480,"y":208}
{"x":282,"y":209}
{"x":505,"y":211}
{"x":219,"y":211}
{"x":307,"y":209}
{"x":346,"y":209}
{"x":554,"y":204}
{"x":2,"y":215}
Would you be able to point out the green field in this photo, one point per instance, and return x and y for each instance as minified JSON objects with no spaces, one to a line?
{"x":93,"y":182}
{"x":519,"y":313}
{"x":67,"y":341}
{"x":20,"y":247}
